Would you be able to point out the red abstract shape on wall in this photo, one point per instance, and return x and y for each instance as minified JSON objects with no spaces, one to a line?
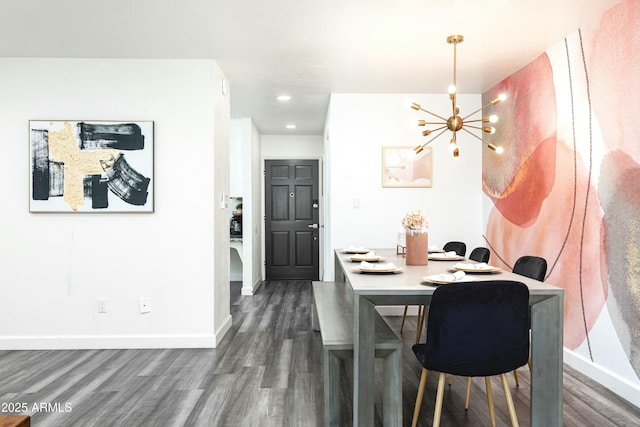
{"x":519,"y":180}
{"x":567,"y":234}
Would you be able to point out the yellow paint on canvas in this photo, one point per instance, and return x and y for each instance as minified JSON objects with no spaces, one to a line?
{"x":63,"y":147}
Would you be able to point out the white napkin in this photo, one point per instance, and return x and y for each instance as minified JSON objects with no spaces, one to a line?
{"x":370,"y":254}
{"x":458,"y":275}
{"x":377,"y":266}
{"x":358,"y":248}
{"x":444,"y":277}
{"x":470,"y":266}
{"x":451,"y":254}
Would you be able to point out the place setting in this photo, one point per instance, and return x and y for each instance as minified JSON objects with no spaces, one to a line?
{"x":356,"y":250}
{"x":448,"y":278}
{"x":377,"y":268}
{"x":368,"y":257}
{"x":445,"y":256}
{"x":481,"y":267}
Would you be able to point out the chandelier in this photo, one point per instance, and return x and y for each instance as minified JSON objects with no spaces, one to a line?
{"x":456,"y":123}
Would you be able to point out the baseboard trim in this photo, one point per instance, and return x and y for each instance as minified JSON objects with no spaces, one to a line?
{"x":96,"y":342}
{"x":222,"y":330}
{"x":614,"y":382}
{"x":250,"y":290}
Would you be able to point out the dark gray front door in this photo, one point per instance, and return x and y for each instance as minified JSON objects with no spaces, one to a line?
{"x":292,"y":219}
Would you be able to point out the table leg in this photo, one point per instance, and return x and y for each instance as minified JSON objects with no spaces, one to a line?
{"x":546,"y":362}
{"x":392,"y":394}
{"x":363,"y":362}
{"x":338,"y":273}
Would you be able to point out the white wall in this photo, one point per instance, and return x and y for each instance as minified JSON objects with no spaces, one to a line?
{"x":246,"y":177}
{"x":254,"y":277}
{"x":291,"y":146}
{"x":53,"y":267}
{"x":358,"y":126}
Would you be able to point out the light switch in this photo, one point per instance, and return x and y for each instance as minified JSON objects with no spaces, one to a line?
{"x":356,"y":202}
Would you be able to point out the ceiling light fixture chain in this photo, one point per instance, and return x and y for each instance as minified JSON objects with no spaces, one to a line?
{"x":456,"y":123}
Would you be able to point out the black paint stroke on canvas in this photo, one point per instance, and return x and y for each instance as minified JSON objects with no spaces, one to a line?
{"x":128,"y":184}
{"x":121,"y":136}
{"x":40,"y":164}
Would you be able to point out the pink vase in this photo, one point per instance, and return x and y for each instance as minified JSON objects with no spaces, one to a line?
{"x":417,"y":247}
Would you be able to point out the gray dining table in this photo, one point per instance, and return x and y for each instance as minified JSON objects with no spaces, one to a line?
{"x":408,"y":288}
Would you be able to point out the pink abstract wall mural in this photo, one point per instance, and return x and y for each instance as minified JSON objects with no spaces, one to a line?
{"x":567,"y":187}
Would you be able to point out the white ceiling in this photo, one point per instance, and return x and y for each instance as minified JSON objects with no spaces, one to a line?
{"x":305,"y":48}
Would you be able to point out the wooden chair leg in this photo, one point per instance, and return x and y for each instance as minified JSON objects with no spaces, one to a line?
{"x":515,"y":375}
{"x":492,"y":412}
{"x":416,"y":410}
{"x":404,"y":317}
{"x":439,"y":398}
{"x":466,"y":402}
{"x":422,"y":311}
{"x":507,"y":395}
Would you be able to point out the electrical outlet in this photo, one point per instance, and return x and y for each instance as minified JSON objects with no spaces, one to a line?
{"x":145,"y":305}
{"x":102,"y":305}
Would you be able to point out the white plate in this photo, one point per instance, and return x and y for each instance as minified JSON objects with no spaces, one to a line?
{"x":356,"y":258}
{"x":478,"y":270}
{"x":440,"y":257}
{"x":446,"y":279}
{"x":378,"y":270}
{"x":356,"y":251}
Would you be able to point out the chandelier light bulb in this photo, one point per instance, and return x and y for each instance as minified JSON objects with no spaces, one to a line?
{"x":452,"y":89}
{"x":499,"y":150}
{"x":493,"y":118}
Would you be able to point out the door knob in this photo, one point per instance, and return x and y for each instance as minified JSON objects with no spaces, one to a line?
{"x":312,"y":225}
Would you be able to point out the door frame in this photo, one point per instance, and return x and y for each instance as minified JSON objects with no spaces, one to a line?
{"x":320,"y":209}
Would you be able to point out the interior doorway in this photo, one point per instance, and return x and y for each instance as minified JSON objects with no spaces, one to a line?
{"x":292,"y":229}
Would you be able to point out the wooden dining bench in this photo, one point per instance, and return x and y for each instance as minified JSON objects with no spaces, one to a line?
{"x":333,"y":316}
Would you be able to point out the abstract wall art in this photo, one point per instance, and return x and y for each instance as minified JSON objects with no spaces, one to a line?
{"x":90,"y":166}
{"x":567,"y":187}
{"x":402,"y":167}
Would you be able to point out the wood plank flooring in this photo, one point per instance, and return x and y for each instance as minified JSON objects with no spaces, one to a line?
{"x":266,"y":372}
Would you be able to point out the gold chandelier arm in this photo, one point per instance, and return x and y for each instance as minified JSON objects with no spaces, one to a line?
{"x":492,"y":102}
{"x":479,"y":109}
{"x":419,"y":148}
{"x":418,"y":107}
{"x":489,"y":144}
{"x":474,"y":135}
{"x":437,"y":129}
{"x":424,"y":123}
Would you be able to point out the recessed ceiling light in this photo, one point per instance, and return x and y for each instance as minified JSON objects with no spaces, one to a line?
{"x":291,"y":126}
{"x":284,"y":98}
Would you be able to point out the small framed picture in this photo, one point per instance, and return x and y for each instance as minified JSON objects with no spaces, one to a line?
{"x":402,"y":167}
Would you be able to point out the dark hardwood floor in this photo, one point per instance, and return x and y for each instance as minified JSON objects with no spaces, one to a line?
{"x":266,"y":372}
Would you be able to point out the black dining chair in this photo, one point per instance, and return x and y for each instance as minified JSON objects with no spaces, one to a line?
{"x":460,"y":248}
{"x":530,"y":266}
{"x":475,"y":329}
{"x":480,"y":254}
